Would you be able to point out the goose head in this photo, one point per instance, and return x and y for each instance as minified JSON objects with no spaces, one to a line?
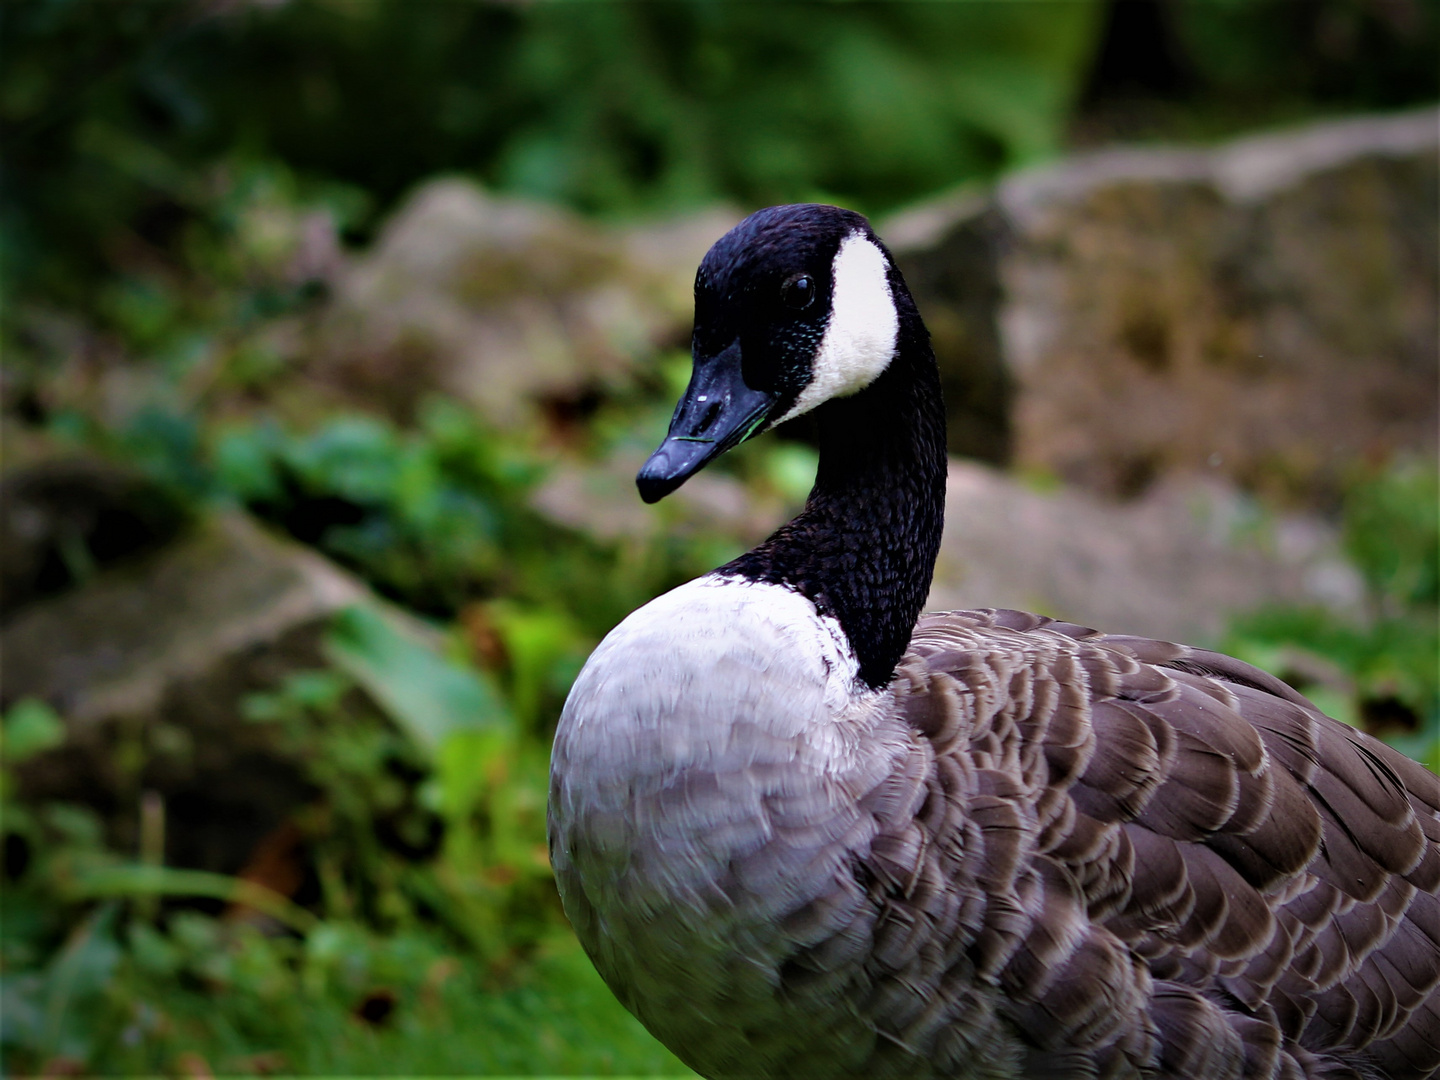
{"x":794,"y":306}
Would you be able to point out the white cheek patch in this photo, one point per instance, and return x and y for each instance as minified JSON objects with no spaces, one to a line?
{"x":860,"y":338}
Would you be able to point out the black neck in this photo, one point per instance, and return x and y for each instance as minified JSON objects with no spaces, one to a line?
{"x":864,"y":547}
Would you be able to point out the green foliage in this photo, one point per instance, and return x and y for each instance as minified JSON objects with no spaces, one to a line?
{"x":1392,"y":531}
{"x":430,"y":697}
{"x":131,"y":999}
{"x":421,"y":955}
{"x":120,"y":129}
{"x":430,"y":515}
{"x":1382,"y":673}
{"x":124,"y":127}
{"x":31,"y":727}
{"x":435,"y":942}
{"x":1280,"y":54}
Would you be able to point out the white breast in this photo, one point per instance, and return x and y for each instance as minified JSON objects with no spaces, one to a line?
{"x":704,"y":785}
{"x":715,"y":642}
{"x":715,"y":677}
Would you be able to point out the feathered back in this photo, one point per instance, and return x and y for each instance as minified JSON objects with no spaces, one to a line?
{"x":1158,"y":854}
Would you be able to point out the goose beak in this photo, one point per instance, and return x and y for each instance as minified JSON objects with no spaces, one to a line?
{"x":718,"y":412}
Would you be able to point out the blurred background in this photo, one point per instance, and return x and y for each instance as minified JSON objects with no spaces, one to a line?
{"x":334,"y":332}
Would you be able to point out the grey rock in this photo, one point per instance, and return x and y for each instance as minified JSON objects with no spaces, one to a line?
{"x":670,"y":249}
{"x":1175,"y":563}
{"x":599,"y":498}
{"x":506,"y":302}
{"x":1265,"y":310}
{"x":149,"y":663}
{"x":950,"y":252}
{"x":224,"y":593}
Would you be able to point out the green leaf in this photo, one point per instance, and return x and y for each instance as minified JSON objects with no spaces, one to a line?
{"x":141,"y":880}
{"x":244,"y":460}
{"x":79,"y":972}
{"x":355,"y":457}
{"x":1392,"y":531}
{"x":537,"y":641}
{"x":31,"y":727}
{"x":427,"y":694}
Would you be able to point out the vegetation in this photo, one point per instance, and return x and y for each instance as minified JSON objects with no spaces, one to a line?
{"x":434,"y":944}
{"x":1382,"y":672}
{"x":160,"y":162}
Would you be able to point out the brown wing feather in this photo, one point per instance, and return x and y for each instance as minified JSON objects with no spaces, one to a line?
{"x":1171,"y":862}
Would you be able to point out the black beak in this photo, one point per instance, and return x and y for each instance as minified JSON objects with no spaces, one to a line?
{"x":717,"y":412}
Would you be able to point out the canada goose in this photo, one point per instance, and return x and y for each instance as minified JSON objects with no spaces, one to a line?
{"x":802,"y":834}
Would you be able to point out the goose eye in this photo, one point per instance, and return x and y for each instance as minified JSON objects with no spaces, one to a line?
{"x":798,"y":291}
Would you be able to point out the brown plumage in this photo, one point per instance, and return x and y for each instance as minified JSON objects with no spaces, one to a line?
{"x":1160,"y":854}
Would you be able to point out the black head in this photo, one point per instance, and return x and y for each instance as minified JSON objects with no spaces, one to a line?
{"x":794,"y":306}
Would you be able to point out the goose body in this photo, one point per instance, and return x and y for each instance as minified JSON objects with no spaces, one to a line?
{"x":802,"y":834}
